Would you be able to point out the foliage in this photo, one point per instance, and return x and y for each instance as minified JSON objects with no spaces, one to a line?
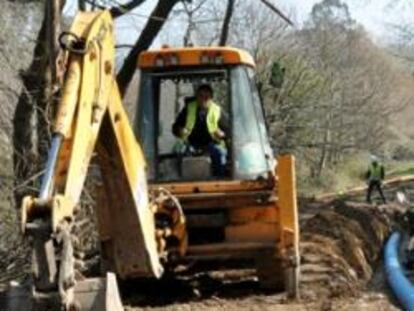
{"x":339,"y":93}
{"x":328,"y":90}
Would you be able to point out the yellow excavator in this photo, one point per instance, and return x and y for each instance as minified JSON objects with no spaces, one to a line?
{"x":157,"y":208}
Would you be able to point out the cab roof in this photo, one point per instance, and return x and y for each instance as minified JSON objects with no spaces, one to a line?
{"x":194,"y":56}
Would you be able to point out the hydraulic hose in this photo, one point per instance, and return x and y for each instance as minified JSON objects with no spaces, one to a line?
{"x":399,"y":283}
{"x":50,"y":166}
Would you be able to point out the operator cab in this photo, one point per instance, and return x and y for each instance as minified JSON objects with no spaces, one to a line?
{"x":168,"y":81}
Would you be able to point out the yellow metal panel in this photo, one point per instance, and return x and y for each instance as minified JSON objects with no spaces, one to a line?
{"x":83,"y":22}
{"x":215,"y":186}
{"x":93,"y":96}
{"x":256,"y":231}
{"x":63,"y":164}
{"x":78,"y":119}
{"x":91,"y":108}
{"x":131,"y":221}
{"x":249,"y":214}
{"x":62,"y":208}
{"x":134,"y":229}
{"x":192,"y":56}
{"x":287,"y":203}
{"x":67,"y":106}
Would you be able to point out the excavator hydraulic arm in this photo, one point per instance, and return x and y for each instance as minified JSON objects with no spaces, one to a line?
{"x":91,"y":120}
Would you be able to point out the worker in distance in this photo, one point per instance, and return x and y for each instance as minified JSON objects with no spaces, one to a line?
{"x":375,"y":176}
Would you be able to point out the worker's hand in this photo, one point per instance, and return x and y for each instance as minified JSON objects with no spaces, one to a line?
{"x":219,"y":134}
{"x":184,"y":132}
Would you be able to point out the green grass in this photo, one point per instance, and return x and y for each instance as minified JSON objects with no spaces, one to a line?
{"x":349,"y":174}
{"x":402,"y":169}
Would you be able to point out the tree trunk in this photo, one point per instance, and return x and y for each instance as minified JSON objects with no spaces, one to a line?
{"x":226,"y":23}
{"x":24,"y":121}
{"x":53,"y":76}
{"x":326,"y":145}
{"x":31,"y":117}
{"x":125,"y":8}
{"x":116,"y":11}
{"x":157,"y":19}
{"x":82,"y":5}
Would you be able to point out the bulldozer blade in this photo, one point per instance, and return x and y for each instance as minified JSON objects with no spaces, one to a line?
{"x":94,"y":294}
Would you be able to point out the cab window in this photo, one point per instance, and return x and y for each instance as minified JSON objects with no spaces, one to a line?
{"x":162,"y":98}
{"x":250,"y":147}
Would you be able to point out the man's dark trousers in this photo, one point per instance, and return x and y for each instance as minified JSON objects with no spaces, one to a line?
{"x":375,"y":184}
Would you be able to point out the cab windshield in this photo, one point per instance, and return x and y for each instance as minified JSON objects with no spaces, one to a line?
{"x":163,"y":95}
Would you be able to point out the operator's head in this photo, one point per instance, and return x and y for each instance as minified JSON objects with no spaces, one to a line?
{"x":204,"y":95}
{"x":374,"y":160}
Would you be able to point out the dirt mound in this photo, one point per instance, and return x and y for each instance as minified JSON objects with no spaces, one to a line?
{"x":341,"y":246}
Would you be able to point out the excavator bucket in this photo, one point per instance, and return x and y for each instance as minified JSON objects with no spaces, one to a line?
{"x":94,"y":294}
{"x":98,"y":294}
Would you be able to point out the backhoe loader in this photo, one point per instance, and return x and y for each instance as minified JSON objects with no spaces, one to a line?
{"x":158,"y":207}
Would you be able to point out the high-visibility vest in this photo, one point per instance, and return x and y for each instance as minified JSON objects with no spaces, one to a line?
{"x":212,"y":118}
{"x":375,"y":172}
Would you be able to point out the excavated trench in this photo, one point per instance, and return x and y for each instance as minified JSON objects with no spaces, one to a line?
{"x":341,"y":248}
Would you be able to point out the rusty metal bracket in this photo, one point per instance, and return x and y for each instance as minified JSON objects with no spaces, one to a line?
{"x":69,"y":41}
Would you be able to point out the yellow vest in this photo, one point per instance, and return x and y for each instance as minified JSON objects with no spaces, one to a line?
{"x":375,"y":172}
{"x":212,"y":119}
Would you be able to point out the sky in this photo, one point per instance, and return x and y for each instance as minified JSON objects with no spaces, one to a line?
{"x":375,"y":15}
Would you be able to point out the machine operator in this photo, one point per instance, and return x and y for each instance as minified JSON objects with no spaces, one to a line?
{"x":203,"y":125}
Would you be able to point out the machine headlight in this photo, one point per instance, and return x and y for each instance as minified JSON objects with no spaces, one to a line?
{"x":174,"y":61}
{"x":205,"y":59}
{"x":219,"y":60}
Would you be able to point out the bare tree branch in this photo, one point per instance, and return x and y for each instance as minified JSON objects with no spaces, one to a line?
{"x":226,"y":23}
{"x":119,"y":10}
{"x":148,"y":34}
{"x":125,"y":8}
{"x":277,"y":11}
